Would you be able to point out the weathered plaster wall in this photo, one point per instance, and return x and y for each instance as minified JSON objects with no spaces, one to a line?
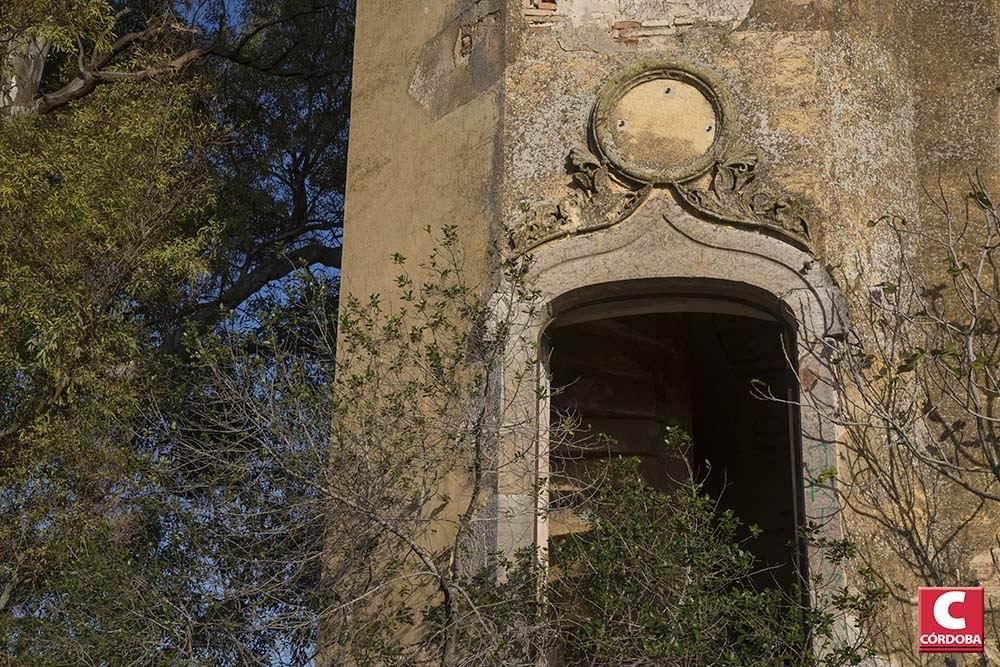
{"x":856,"y":105}
{"x":424,"y":150}
{"x":464,"y":112}
{"x":425,"y":133}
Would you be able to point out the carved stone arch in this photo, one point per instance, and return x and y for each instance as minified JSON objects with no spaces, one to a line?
{"x":666,"y":258}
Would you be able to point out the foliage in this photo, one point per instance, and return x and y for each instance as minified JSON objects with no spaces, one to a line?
{"x":415,"y":423}
{"x":61,"y":23}
{"x":658,"y":578}
{"x":242,"y":500}
{"x":153,"y":231}
{"x":661,"y":579}
{"x":282,"y":170}
{"x":927,"y":343}
{"x":102,"y":215}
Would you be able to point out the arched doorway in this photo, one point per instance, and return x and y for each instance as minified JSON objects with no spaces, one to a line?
{"x":711,"y":358}
{"x":697,"y":278}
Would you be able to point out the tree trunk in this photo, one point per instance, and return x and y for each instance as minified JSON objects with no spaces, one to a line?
{"x":21,"y":73}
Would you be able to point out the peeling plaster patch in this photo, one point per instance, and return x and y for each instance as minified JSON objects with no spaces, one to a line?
{"x":549,"y":95}
{"x":790,"y":15}
{"x":656,"y":14}
{"x":462,"y":61}
{"x":878,"y":133}
{"x":534,"y":145}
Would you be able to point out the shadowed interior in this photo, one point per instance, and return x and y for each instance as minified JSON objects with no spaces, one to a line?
{"x":622,"y":381}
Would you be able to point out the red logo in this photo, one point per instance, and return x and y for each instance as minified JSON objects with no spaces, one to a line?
{"x":951,"y":620}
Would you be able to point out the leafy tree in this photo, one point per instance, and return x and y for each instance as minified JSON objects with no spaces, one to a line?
{"x":282,"y":169}
{"x":662,"y":578}
{"x":101,"y":212}
{"x":166,"y":171}
{"x":56,"y":54}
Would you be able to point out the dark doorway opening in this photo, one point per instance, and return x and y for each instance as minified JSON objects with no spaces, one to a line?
{"x":626,"y":380}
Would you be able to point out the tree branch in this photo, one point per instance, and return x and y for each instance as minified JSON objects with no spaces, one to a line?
{"x":265,"y":272}
{"x":88,"y":81}
{"x":92,"y":75}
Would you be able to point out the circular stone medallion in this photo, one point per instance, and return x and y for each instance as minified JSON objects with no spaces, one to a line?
{"x":659,"y":123}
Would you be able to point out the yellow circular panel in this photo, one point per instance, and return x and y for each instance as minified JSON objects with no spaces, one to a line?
{"x":662,"y":124}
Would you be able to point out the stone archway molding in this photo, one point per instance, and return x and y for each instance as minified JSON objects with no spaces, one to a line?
{"x":666,"y":258}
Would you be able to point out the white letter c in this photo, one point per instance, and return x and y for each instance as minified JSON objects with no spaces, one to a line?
{"x":942,"y":613}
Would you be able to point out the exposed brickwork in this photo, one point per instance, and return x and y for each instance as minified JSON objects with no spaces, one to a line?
{"x":541,"y":13}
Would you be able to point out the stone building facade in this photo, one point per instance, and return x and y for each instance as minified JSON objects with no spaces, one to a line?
{"x":686,"y":176}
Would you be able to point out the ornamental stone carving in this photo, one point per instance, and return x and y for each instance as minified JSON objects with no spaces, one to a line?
{"x":735,"y":197}
{"x":597,"y":201}
{"x":665,"y":125}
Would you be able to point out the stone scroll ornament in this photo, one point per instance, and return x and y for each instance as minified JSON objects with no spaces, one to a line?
{"x":597,"y":202}
{"x":663,"y":125}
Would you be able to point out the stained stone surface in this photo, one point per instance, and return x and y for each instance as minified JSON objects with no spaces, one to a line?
{"x":680,"y":13}
{"x":662,"y":124}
